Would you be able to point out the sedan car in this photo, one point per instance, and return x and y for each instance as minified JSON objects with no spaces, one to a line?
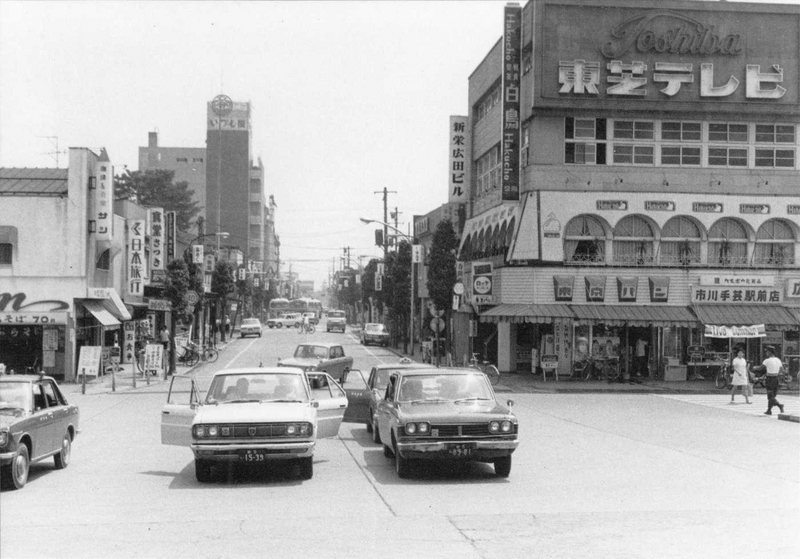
{"x":447,"y":415}
{"x":289,"y":320}
{"x":336,"y":320}
{"x":250,"y":327}
{"x":36,"y":422}
{"x":253,"y":416}
{"x":374,"y":333}
{"x":325,"y":357}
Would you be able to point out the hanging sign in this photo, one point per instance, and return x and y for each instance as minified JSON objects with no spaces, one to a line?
{"x":458,"y":160}
{"x":157,"y":240}
{"x":754,"y":331}
{"x":136,"y":258}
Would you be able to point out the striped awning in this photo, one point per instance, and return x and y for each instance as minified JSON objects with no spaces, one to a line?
{"x":635,"y":315}
{"x":746,"y":315}
{"x":518,"y":313}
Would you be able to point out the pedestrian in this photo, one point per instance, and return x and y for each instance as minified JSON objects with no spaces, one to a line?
{"x":773,"y":367}
{"x":740,"y":378}
{"x":164,"y":338}
{"x":227,"y":325}
{"x":641,"y":357}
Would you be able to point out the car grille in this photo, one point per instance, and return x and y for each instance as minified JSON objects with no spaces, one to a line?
{"x":262,"y":430}
{"x":468,"y":430}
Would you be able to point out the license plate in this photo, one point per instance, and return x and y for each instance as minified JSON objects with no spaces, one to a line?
{"x":253,"y":456}
{"x":460,"y":450}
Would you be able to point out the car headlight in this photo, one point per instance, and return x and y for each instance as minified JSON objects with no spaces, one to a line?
{"x":206,"y":431}
{"x":505,"y":427}
{"x":3,"y":438}
{"x":421,"y":428}
{"x":494,"y":426}
{"x":298,"y":429}
{"x":500,"y":426}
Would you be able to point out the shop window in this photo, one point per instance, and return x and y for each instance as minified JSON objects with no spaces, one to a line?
{"x":775,"y":244}
{"x":633,"y":241}
{"x":680,"y":242}
{"x":8,"y":241}
{"x":197,"y":160}
{"x":183,"y":159}
{"x":727,"y":243}
{"x":584,"y":240}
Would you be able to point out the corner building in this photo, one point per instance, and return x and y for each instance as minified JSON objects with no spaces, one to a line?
{"x":635,"y":186}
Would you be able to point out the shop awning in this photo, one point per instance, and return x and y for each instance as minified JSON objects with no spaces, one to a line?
{"x":635,"y":315}
{"x":746,"y":315}
{"x":97,"y":309}
{"x":527,"y":313}
{"x":110,"y":300}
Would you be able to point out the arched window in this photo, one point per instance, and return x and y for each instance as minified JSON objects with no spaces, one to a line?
{"x":510,"y":231}
{"x":104,"y":260}
{"x":633,"y":241}
{"x":774,"y":244}
{"x":680,"y":242}
{"x":584,"y":240}
{"x":479,"y":245}
{"x":727,"y":243}
{"x":466,"y":249}
{"x":494,"y":248}
{"x":501,"y":239}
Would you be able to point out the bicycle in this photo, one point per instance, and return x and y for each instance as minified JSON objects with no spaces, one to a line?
{"x":724,"y":377}
{"x":190,"y":357}
{"x":583,"y":369}
{"x":207,"y":353}
{"x":305,"y":328}
{"x":610,"y":369}
{"x":491,"y":372}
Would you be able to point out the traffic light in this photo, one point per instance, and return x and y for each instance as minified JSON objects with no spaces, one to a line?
{"x":379,"y":237}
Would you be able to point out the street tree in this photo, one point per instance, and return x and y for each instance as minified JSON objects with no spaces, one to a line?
{"x":180,"y":279}
{"x":156,"y":188}
{"x":399,"y":295}
{"x":222,"y":283}
{"x":442,"y":266}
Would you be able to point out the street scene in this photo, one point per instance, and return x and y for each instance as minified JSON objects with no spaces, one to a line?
{"x":449,"y":279}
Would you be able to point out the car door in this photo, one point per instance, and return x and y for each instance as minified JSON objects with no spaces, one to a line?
{"x":386,"y":411}
{"x":43,"y":424}
{"x":357,"y":398}
{"x":179,"y":411}
{"x":331,"y":402}
{"x":58,"y":409}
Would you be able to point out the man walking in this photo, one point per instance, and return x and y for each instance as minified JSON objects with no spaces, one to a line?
{"x":773,"y":367}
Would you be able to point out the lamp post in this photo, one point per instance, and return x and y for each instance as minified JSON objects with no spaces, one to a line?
{"x":411,"y":242}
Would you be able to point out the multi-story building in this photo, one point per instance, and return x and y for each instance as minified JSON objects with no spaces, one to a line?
{"x":188,"y":164}
{"x":634,"y":185}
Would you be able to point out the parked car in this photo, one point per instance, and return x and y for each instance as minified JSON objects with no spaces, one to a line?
{"x":36,"y":422}
{"x":253,"y":416}
{"x":336,"y":321}
{"x":365,"y":391}
{"x":325,"y":357}
{"x":374,"y":333}
{"x":445,"y":414}
{"x":250,"y":327}
{"x":289,"y":320}
{"x":312,"y":317}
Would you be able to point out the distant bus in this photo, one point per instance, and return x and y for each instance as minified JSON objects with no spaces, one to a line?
{"x":306,"y":304}
{"x":277,"y":307}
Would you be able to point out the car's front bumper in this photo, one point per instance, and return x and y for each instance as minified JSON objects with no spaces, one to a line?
{"x":271,"y":451}
{"x":376,"y":339}
{"x":440,"y":450}
{"x":250,"y":332}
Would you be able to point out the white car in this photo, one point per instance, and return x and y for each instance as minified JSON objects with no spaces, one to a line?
{"x":250,"y":327}
{"x":253,"y":416}
{"x":289,"y":320}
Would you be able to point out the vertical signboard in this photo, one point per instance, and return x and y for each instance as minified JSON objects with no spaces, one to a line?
{"x":512,"y":38}
{"x":170,"y":232}
{"x":198,"y":255}
{"x":104,"y":199}
{"x":482,"y":283}
{"x":458,"y":159}
{"x":128,"y":341}
{"x":156,"y":221}
{"x":136,"y":264}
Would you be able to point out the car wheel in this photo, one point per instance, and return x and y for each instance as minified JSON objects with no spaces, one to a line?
{"x":401,"y":465}
{"x":202,"y":470}
{"x":259,"y":334}
{"x":387,"y":452}
{"x":62,"y":458}
{"x":241,"y":336}
{"x":502,"y":466}
{"x":307,"y":467}
{"x":376,"y":434}
{"x":279,"y":325}
{"x":17,"y":471}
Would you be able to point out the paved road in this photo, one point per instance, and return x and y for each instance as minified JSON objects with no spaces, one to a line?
{"x":596,"y":475}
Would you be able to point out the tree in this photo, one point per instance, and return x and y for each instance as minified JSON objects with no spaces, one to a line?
{"x":442,"y":266}
{"x":181,"y":278}
{"x":155,"y":188}
{"x":399,"y":296}
{"x":222,"y":283}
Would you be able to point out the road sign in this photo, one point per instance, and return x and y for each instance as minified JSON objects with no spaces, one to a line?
{"x":191,"y":298}
{"x":114,"y":354}
{"x":437,"y":325}
{"x":458,"y":288}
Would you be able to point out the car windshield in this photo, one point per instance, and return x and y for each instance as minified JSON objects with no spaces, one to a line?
{"x":382,"y":378}
{"x":374,"y":328}
{"x":311,"y":351}
{"x":15,"y":396}
{"x":250,"y":322}
{"x":257,"y":387}
{"x":336,"y":314}
{"x":437,"y":387}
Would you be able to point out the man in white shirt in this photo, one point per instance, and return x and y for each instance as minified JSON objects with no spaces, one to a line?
{"x":773,"y":367}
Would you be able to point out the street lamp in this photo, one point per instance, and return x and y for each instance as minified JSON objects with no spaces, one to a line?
{"x":411,"y":242}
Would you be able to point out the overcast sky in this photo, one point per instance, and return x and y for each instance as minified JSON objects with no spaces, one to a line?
{"x":348,"y":97}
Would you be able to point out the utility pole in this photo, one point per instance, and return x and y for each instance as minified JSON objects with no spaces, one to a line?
{"x":385,"y":219}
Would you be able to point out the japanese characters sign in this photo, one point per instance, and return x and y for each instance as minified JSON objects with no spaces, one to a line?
{"x":595,"y":288}
{"x":793,"y":288}
{"x":128,"y":341}
{"x":512,"y":35}
{"x":738,"y":281}
{"x":136,"y":257}
{"x":157,"y":240}
{"x":627,"y":288}
{"x":563,"y":286}
{"x":482,"y":283}
{"x":89,"y":361}
{"x":659,"y":289}
{"x":170,"y":232}
{"x":103,"y":200}
{"x":735,"y":295}
{"x":458,"y":159}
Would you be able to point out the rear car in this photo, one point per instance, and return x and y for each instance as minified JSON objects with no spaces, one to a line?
{"x":449,"y":415}
{"x":374,"y":333}
{"x":336,"y":320}
{"x":250,"y":327}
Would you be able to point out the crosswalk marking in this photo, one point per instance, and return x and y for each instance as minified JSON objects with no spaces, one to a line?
{"x":791,"y":404}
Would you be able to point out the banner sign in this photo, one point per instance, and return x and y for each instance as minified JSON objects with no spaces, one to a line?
{"x":458,"y":159}
{"x":104,"y":200}
{"x":136,"y":260}
{"x":482,"y":283}
{"x":153,"y":357}
{"x":754,"y":331}
{"x":170,"y":234}
{"x":157,"y":241}
{"x":737,"y":281}
{"x":128,"y":341}
{"x":198,"y":254}
{"x":89,"y":361}
{"x":512,"y":35}
{"x":735,"y":295}
{"x":793,"y":288}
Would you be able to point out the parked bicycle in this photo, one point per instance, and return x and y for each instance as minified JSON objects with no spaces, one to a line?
{"x":724,"y":377}
{"x":190,"y":356}
{"x":207,"y":353}
{"x":492,"y":372}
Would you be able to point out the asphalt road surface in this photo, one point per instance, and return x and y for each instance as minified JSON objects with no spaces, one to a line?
{"x":596,"y":475}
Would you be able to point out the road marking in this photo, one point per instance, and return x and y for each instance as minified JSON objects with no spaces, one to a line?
{"x":235,"y":357}
{"x":791,"y":404}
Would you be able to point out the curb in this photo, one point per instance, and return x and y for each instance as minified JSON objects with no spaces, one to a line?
{"x":789,"y":417}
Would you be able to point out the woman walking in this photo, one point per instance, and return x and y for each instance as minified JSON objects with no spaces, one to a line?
{"x":740,"y":378}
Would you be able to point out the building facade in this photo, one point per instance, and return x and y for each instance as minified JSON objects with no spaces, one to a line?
{"x":634,"y":186}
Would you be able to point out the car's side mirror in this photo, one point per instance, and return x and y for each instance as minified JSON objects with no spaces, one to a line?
{"x":510,"y":403}
{"x":314,"y":404}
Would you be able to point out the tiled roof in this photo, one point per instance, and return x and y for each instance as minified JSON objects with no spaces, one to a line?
{"x":34,"y":182}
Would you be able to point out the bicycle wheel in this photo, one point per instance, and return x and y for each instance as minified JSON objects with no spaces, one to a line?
{"x":139,"y":362}
{"x":493,"y":373}
{"x":719,"y":379}
{"x":611,"y":371}
{"x":311,"y":329}
{"x":299,"y":328}
{"x":192,"y":357}
{"x":211,"y":354}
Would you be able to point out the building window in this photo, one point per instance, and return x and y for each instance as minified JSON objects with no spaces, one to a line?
{"x":775,"y":134}
{"x":633,"y":130}
{"x":772,"y":157}
{"x":183,"y":159}
{"x":631,"y":154}
{"x":769,"y":156}
{"x":488,"y":102}
{"x":255,"y":208}
{"x":680,"y":242}
{"x":775,"y":244}
{"x":727,"y":157}
{"x":633,"y":242}
{"x":255,"y":185}
{"x":104,"y":260}
{"x":6,"y":254}
{"x":526,"y":141}
{"x":488,"y":171}
{"x":727,"y":244}
{"x":726,"y":132}
{"x":578,"y":152}
{"x":197,"y":159}
{"x":680,"y":155}
{"x":681,"y":131}
{"x":584,"y":240}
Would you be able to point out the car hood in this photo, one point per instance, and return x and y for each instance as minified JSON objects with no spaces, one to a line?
{"x":474,"y":411}
{"x":9,"y":417}
{"x":255,"y":413}
{"x":300,"y":362}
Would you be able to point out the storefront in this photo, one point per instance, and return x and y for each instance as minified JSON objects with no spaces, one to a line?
{"x":35,"y":341}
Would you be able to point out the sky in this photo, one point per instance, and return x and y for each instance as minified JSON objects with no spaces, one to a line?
{"x":348,"y":98}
